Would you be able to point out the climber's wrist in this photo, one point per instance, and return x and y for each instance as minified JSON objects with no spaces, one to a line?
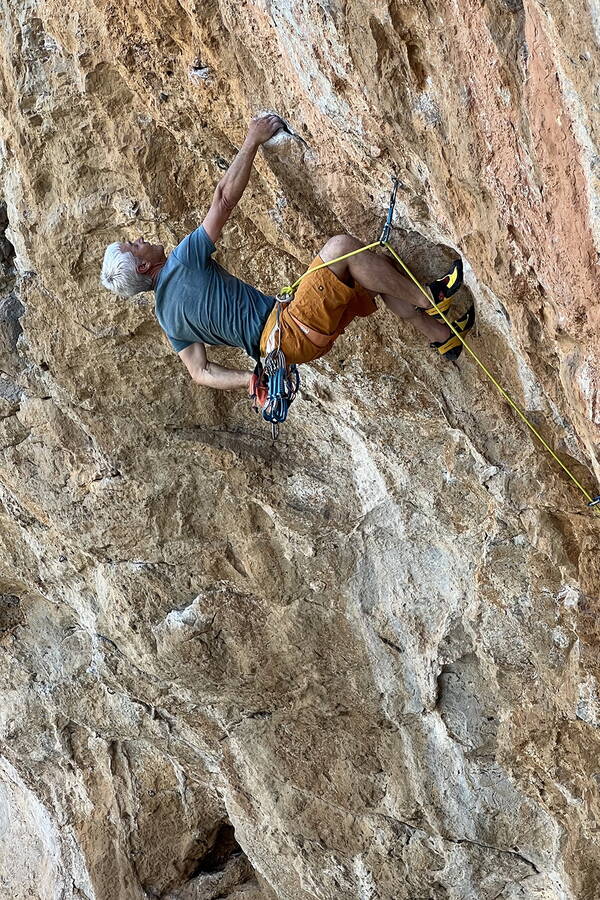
{"x":251,"y":143}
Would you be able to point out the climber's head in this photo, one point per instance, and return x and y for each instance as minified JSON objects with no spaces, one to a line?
{"x":130,"y":267}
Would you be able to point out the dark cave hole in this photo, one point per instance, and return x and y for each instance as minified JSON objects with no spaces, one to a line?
{"x":224,"y":847}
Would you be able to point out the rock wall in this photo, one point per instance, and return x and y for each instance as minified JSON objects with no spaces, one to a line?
{"x":361,"y":662}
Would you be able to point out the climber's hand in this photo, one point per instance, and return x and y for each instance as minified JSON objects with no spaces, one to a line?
{"x":262,"y":128}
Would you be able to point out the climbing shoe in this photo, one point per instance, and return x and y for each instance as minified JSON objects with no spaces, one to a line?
{"x":452,"y":348}
{"x":444,"y":288}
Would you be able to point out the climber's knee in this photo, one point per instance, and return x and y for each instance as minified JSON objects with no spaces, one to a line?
{"x":336,"y":246}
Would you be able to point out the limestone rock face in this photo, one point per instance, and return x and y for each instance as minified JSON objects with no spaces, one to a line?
{"x":361,"y":662}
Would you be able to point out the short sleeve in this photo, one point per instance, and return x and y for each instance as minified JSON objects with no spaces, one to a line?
{"x":195,"y":249}
{"x":179,"y":345}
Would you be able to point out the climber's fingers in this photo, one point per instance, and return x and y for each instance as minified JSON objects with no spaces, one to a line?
{"x":262,"y":128}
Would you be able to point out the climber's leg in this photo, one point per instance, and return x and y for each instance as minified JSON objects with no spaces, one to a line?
{"x":376,"y":273}
{"x":431,"y":328}
{"x":372,"y":271}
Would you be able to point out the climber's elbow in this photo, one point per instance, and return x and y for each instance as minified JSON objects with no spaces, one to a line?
{"x":203,"y":376}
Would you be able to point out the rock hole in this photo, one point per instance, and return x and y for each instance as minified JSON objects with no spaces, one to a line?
{"x":224,"y":847}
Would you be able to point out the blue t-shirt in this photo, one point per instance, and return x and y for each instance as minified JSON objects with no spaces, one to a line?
{"x":198,"y":300}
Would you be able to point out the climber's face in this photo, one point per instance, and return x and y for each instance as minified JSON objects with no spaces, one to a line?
{"x":146,"y":255}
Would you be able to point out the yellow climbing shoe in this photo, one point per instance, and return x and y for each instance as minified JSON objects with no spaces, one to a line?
{"x":452,"y":348}
{"x":444,"y":288}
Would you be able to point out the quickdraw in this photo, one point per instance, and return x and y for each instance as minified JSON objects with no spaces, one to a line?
{"x":283,"y":385}
{"x":281,"y":381}
{"x":385,"y":234}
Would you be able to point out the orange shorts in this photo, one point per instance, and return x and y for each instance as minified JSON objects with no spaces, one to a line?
{"x":323,"y":303}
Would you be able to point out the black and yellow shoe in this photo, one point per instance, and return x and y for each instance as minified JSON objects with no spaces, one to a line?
{"x":452,"y":348}
{"x":444,"y":289}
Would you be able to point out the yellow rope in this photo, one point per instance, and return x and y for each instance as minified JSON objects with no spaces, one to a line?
{"x":292,"y":287}
{"x":517,"y":409}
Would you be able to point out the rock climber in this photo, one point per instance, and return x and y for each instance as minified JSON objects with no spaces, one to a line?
{"x":198,"y":302}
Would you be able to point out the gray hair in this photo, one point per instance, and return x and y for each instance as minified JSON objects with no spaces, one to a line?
{"x":119,"y":273}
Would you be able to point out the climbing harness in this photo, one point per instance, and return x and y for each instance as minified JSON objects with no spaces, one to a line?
{"x":292,"y":381}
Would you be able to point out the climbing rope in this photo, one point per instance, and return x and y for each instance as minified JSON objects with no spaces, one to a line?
{"x":592,"y":502}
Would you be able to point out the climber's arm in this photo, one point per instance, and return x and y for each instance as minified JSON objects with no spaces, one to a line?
{"x":220,"y":210}
{"x":235,"y":180}
{"x":209,"y":374}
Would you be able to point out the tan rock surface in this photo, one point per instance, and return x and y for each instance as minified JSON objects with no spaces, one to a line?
{"x":362,"y":662}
